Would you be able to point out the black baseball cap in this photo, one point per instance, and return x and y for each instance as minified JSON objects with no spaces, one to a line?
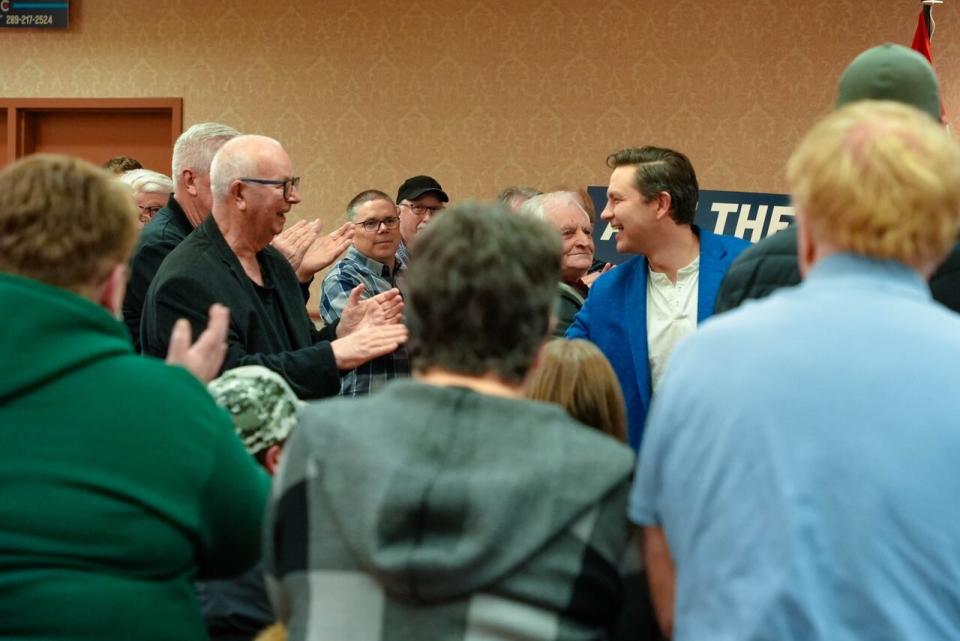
{"x":413,"y":188}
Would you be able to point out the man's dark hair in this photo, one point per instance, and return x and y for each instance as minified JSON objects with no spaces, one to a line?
{"x":659,"y":169}
{"x":366,"y":196}
{"x":121,"y":164}
{"x":482,"y":283}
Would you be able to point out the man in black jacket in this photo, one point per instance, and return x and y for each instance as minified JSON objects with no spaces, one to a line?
{"x":228,"y":259}
{"x":187,"y":207}
{"x":887,"y":72}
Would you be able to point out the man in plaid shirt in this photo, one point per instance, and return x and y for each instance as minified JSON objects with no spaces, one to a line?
{"x":373,"y":264}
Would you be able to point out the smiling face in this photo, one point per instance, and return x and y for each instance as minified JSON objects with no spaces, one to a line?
{"x":266,"y":207}
{"x":576,"y":231}
{"x":382,"y":243}
{"x":629,"y":212}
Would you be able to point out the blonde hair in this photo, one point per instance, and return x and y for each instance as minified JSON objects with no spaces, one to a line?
{"x":63,"y":221}
{"x":879,"y":179}
{"x":577,"y":376}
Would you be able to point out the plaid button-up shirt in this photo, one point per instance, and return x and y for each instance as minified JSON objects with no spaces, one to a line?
{"x":351,"y":270}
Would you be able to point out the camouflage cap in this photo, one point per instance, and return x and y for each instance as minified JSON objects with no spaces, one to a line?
{"x":261,"y":403}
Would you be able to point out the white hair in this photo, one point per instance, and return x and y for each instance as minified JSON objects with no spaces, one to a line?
{"x":538,"y":205}
{"x":196,"y":147}
{"x":147,"y":181}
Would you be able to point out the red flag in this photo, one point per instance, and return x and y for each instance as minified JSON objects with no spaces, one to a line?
{"x":921,"y":44}
{"x":921,"y":39}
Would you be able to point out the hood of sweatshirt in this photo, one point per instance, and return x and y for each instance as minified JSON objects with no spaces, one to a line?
{"x":49,"y":332}
{"x":441,"y":491}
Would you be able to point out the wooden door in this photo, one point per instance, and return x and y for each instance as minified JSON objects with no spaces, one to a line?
{"x":95,"y":129}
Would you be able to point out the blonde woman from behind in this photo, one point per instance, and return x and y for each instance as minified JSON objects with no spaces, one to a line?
{"x":577,"y":376}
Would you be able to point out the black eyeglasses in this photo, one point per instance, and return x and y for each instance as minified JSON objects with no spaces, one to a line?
{"x":288,"y":184}
{"x":373,"y":225}
{"x":422,"y":210}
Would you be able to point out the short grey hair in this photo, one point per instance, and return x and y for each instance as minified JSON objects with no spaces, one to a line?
{"x":491,"y":323}
{"x":196,"y":147}
{"x":234,"y":162}
{"x":147,"y":181}
{"x":538,"y":205}
{"x":509,"y":194}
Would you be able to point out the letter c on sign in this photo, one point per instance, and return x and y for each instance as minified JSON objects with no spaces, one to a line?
{"x":5,"y":5}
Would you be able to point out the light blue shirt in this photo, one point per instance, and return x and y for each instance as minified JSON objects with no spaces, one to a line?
{"x":803,"y":458}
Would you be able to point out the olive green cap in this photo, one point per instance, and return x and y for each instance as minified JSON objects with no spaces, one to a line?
{"x":891,"y":72}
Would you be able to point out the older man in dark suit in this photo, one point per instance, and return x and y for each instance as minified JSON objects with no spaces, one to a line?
{"x":228,"y":259}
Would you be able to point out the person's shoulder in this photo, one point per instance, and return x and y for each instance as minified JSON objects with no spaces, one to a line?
{"x":167,"y":226}
{"x":159,"y":237}
{"x":613,"y":282}
{"x":164,"y":404}
{"x":151,"y":380}
{"x":324,"y":423}
{"x":564,"y":443}
{"x":345,"y":269}
{"x":730,"y":245}
{"x":782,"y":244}
{"x":193,"y":256}
{"x":596,"y":446}
{"x":761,"y":269}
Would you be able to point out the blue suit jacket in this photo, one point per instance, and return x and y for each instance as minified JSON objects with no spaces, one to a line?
{"x":614,"y":317}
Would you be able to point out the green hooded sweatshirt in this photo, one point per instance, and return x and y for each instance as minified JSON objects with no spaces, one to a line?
{"x":120,"y":479}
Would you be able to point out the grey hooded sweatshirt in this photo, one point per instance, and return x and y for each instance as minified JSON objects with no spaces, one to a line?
{"x":427,"y":512}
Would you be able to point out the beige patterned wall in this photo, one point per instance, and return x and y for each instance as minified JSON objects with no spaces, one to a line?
{"x":480,"y":93}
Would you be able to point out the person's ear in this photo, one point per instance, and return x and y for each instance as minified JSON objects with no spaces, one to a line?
{"x":189,"y":179}
{"x":271,"y":459}
{"x":238,"y":195}
{"x":109,"y":292}
{"x":664,"y":202}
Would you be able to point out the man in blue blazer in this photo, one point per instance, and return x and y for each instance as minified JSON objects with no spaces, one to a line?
{"x":637,"y":313}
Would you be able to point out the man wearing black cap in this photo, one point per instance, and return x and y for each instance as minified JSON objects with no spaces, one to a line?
{"x":419,"y":198}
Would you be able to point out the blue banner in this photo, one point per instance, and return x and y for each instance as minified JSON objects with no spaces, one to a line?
{"x":743,"y":214}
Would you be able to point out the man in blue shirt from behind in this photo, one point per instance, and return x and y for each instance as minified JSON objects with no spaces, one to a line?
{"x":801,"y":455}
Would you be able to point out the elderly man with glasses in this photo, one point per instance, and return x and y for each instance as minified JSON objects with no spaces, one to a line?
{"x":228,"y":259}
{"x":373,"y":265}
{"x":420,"y":198}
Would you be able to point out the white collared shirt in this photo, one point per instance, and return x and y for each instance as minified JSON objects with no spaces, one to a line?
{"x":671,"y":314}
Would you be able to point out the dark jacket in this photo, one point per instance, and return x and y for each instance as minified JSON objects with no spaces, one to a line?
{"x":568,"y":302}
{"x":161,"y":235}
{"x":269,"y":325}
{"x":772,"y":264}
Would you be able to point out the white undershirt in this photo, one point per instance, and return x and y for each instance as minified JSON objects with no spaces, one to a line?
{"x":671,"y":314}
